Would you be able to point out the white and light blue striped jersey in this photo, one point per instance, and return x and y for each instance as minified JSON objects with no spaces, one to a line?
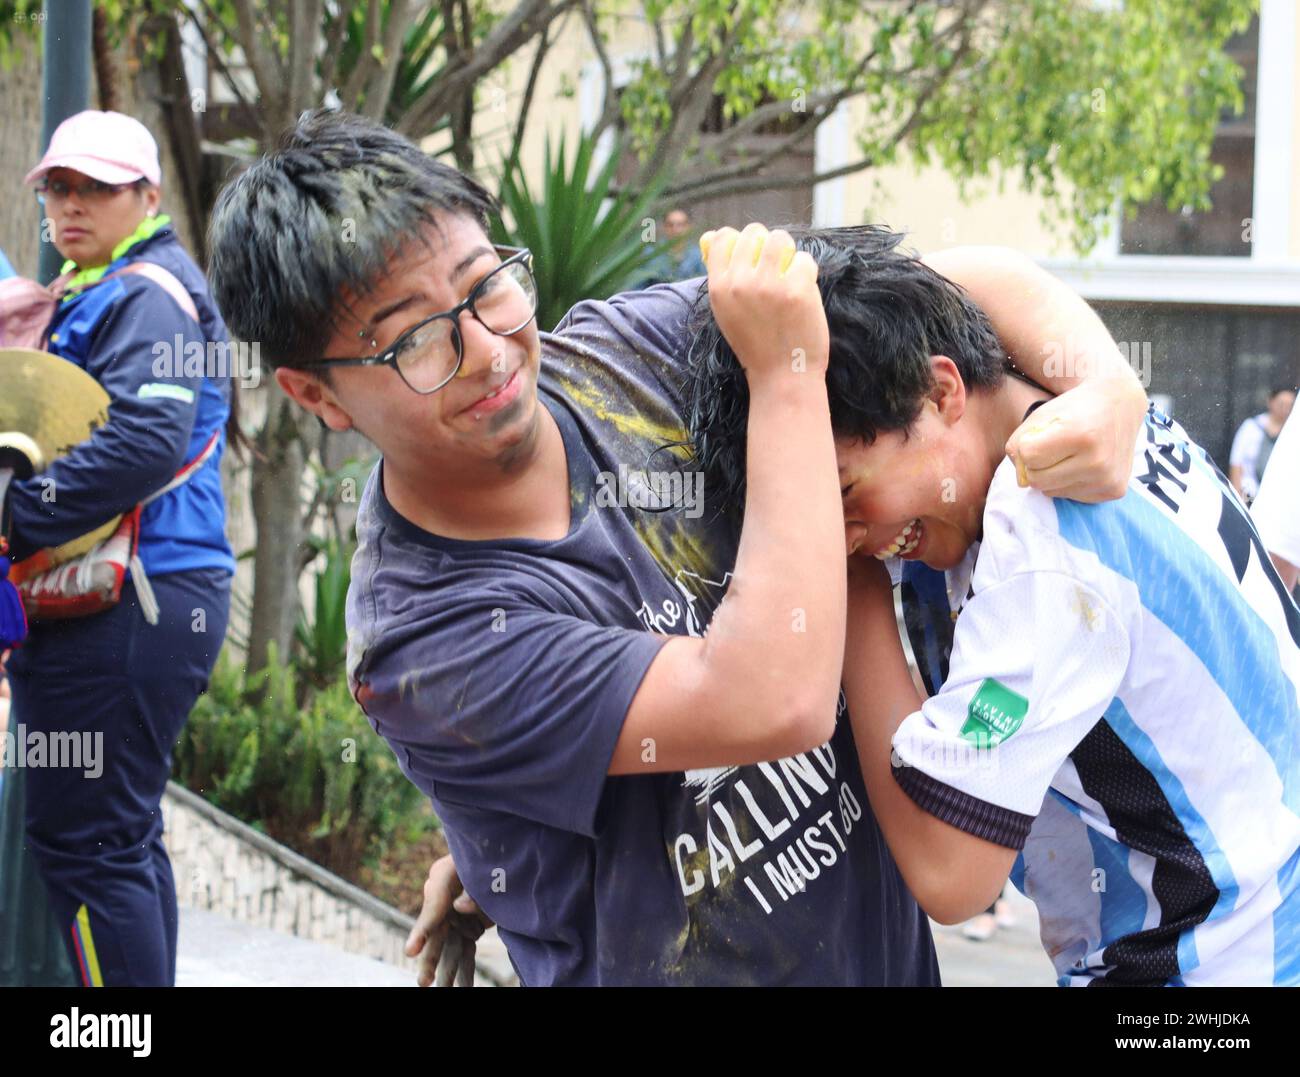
{"x":1121,"y":706}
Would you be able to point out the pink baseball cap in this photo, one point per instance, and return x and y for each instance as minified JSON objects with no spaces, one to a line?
{"x":106,"y":146}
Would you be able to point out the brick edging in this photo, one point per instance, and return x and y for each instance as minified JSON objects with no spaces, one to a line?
{"x":295,"y":862}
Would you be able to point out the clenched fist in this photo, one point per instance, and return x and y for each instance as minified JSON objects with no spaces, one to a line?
{"x":766,"y":302}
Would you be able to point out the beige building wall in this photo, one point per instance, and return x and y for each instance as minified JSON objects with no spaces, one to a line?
{"x":927,"y":205}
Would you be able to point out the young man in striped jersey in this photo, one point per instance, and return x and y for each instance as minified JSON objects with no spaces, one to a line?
{"x":1118,"y":725}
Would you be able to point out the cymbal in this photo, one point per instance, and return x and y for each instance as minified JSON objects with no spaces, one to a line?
{"x":55,"y":405}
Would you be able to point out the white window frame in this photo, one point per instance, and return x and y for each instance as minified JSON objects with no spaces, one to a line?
{"x":1270,"y":275}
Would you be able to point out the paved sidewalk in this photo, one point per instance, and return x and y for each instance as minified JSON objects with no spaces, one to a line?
{"x":1012,"y":958}
{"x":215,"y":951}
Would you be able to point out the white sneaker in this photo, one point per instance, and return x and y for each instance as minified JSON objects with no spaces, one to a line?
{"x":980,"y":928}
{"x":1003,"y":913}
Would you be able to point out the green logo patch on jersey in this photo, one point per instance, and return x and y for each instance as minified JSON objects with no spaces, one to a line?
{"x":994,"y":713}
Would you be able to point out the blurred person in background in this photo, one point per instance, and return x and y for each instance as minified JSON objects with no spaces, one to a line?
{"x":680,"y":259}
{"x":1254,"y":443}
{"x":1276,"y":510}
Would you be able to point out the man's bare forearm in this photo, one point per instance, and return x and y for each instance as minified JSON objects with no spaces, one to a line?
{"x":951,"y":874}
{"x":1049,"y":330}
{"x":781,"y":629}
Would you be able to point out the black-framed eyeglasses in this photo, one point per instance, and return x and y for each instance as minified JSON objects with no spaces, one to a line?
{"x":429,"y":354}
{"x":91,"y":189}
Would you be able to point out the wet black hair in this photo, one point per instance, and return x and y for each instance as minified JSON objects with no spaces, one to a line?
{"x":887,"y":312}
{"x":322,"y":214}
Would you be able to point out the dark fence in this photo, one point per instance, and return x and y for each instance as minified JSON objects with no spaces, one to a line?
{"x":1217,"y":364}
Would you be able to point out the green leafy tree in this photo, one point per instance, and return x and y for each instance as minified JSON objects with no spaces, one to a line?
{"x":1085,"y":103}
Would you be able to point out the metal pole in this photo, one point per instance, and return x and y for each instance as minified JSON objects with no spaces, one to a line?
{"x":65,"y":62}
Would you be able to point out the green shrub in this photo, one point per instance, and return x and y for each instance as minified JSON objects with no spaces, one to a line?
{"x":303,"y":767}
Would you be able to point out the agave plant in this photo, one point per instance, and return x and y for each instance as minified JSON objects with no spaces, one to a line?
{"x":323,"y":637}
{"x":586,"y":236}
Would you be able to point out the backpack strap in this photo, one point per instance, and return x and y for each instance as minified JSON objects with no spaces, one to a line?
{"x":187,"y":472}
{"x":165,"y":280}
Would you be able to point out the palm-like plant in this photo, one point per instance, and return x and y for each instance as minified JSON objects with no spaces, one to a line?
{"x":586,"y":236}
{"x":323,"y":637}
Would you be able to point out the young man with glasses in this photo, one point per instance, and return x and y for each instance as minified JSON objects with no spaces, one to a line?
{"x":630,"y":801}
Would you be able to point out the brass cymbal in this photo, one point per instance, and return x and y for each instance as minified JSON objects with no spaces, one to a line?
{"x":56,"y":405}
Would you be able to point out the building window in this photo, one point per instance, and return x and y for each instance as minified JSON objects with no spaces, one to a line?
{"x":1220,"y":232}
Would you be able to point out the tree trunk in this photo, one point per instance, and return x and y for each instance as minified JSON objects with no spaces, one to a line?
{"x":277,"y":508}
{"x":20,"y":135}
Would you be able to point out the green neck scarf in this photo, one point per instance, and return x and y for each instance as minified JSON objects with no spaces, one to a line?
{"x":147,"y":228}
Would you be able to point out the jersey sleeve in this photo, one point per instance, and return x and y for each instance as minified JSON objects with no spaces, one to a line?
{"x":1036,"y":661}
{"x":151,"y":412}
{"x":497,"y":703}
{"x":1039,"y":652}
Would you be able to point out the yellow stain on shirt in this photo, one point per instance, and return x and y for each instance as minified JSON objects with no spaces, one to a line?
{"x":629,"y":423}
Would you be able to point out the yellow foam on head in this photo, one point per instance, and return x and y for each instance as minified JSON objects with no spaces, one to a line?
{"x":706,"y":241}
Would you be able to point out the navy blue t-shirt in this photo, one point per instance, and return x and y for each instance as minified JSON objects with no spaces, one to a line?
{"x":500,"y":673}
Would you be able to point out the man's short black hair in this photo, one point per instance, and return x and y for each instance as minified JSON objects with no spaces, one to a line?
{"x":323,"y":213}
{"x":888,"y":313}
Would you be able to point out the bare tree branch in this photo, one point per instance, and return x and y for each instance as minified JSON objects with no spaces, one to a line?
{"x":661,"y":47}
{"x":704,"y":188}
{"x":717,"y":179}
{"x":462,"y":116}
{"x":366,"y":62}
{"x":525,"y":107}
{"x":691,"y":100}
{"x":830,"y":100}
{"x":681,"y":65}
{"x":214,"y":53}
{"x":609,"y":105}
{"x":380,"y":87}
{"x":262,"y":63}
{"x":304,"y":36}
{"x":333,"y":51}
{"x":509,"y":35}
{"x":828,"y":104}
{"x":102,"y":54}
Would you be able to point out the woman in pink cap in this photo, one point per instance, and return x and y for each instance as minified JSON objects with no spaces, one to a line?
{"x":135,"y":314}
